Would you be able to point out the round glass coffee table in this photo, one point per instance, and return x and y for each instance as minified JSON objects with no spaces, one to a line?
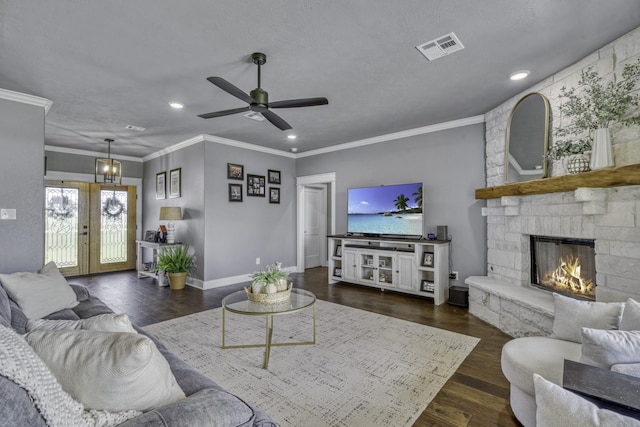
{"x":239,"y":303}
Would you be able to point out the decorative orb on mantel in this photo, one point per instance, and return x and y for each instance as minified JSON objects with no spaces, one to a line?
{"x":578,"y":164}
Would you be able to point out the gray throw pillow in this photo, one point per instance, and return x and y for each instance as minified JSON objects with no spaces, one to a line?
{"x":606,"y":348}
{"x":630,"y":316}
{"x":39,"y":294}
{"x":571,"y":315}
{"x":110,"y":371}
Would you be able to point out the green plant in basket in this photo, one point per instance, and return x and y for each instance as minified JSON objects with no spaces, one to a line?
{"x":270,"y":280}
{"x":175,"y":259}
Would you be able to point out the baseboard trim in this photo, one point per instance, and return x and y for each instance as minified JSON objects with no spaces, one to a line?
{"x":226,"y":281}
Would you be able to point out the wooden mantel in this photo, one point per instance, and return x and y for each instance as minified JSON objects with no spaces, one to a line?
{"x":611,"y":177}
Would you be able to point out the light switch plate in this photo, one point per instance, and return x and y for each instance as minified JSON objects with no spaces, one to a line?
{"x":7,"y":214}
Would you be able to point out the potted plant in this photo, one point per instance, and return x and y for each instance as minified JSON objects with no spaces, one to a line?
{"x":177,"y":263}
{"x":270,"y":280}
{"x":592,"y":108}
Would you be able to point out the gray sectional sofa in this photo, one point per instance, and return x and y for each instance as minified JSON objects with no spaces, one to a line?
{"x":206,"y":403}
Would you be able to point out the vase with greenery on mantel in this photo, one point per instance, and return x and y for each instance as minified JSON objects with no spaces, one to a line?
{"x":592,"y":108}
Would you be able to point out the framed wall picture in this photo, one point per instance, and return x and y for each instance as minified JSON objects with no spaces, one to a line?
{"x":161,"y":185}
{"x":235,"y":192}
{"x":274,"y":177}
{"x":174,"y":183}
{"x":274,"y":195}
{"x":427,"y":259}
{"x":255,"y":185}
{"x":150,"y":236}
{"x":235,"y":171}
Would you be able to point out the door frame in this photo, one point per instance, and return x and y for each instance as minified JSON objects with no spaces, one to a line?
{"x":90,"y":178}
{"x":329,"y":179}
{"x":322,"y":188}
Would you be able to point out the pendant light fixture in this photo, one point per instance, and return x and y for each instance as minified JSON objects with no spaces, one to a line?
{"x":108,"y":171}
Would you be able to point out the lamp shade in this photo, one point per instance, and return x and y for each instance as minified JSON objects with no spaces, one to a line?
{"x":170,"y":213}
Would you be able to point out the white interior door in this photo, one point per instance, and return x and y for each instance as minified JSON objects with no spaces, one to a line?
{"x":315,"y":225}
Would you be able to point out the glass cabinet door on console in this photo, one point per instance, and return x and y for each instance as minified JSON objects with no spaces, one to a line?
{"x":377,"y":268}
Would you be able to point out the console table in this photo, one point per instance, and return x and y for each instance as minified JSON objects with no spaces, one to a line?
{"x":608,"y":389}
{"x":155,"y":247}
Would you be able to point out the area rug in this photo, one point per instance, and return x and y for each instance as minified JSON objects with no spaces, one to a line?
{"x":364,"y":370}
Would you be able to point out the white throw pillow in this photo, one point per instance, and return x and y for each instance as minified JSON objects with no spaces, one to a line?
{"x":39,"y":294}
{"x":607,"y":348}
{"x":557,"y":407}
{"x":108,"y":370}
{"x":571,"y":315}
{"x":632,"y":369}
{"x":630,"y":316}
{"x":101,"y":322}
{"x":20,"y":364}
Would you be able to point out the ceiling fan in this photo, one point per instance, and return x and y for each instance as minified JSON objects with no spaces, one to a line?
{"x":258,"y":99}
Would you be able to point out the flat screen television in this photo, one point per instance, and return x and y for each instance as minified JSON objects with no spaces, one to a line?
{"x":386,"y":210}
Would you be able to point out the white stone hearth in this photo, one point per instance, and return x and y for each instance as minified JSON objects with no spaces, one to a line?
{"x":518,"y":311}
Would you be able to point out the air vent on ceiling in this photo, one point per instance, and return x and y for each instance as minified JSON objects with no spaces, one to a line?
{"x":440,"y":47}
{"x":132,"y":127}
{"x":254,"y":116}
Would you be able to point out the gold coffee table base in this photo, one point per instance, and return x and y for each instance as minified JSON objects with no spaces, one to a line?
{"x":301,"y":300}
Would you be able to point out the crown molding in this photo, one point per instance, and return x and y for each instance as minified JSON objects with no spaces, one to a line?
{"x":396,"y":135}
{"x":358,"y":143}
{"x":26,"y":99}
{"x":219,"y":140}
{"x":100,"y":154}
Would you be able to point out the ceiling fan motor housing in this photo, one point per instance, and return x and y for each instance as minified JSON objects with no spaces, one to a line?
{"x":260,"y":97}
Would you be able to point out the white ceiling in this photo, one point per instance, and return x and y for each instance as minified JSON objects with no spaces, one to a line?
{"x":114,"y":63}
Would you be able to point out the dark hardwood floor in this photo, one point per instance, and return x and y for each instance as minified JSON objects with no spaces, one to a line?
{"x":476,"y":395}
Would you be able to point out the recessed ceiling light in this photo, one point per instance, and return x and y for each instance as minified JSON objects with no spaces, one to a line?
{"x":292,"y":136}
{"x":294,"y":149}
{"x":519,"y":75}
{"x":176,"y":105}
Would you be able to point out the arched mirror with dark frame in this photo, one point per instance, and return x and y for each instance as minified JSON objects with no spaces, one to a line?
{"x":527,"y":139}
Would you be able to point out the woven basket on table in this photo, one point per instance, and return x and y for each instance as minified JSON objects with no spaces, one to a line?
{"x":269,"y":298}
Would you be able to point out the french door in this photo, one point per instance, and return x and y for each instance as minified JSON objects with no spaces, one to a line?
{"x":89,"y":228}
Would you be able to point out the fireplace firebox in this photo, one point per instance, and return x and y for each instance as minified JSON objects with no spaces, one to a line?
{"x":564,"y":265}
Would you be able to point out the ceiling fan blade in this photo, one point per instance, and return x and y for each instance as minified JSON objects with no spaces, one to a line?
{"x":231,"y":89}
{"x":306,"y":102}
{"x":224,"y":112}
{"x":276,"y":120}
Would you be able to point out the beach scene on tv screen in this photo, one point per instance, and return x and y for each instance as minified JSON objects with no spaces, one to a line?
{"x":391,"y":209}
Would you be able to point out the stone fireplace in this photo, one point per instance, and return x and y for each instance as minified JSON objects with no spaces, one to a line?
{"x":608,"y":217}
{"x":564,"y":265}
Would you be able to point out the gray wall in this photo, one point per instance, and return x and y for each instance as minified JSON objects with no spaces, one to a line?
{"x":77,"y":163}
{"x":227,"y":237}
{"x":22,"y":166}
{"x":450,"y":164}
{"x":191,"y":229}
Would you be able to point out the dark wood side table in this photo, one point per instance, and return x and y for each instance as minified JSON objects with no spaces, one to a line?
{"x":607,"y":389}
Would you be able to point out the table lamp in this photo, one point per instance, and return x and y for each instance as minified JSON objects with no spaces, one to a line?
{"x":170,"y":213}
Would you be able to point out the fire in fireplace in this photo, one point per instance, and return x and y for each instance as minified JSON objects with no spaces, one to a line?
{"x":564,"y":265}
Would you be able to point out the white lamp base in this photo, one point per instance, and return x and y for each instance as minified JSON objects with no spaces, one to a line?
{"x":171,"y":232}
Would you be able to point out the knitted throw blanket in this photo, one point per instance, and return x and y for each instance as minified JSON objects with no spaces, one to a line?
{"x":20,"y":364}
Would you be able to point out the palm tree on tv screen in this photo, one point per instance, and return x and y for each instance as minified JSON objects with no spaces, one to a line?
{"x":418,"y":196}
{"x":401,"y":202}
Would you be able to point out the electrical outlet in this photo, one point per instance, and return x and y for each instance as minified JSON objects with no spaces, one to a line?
{"x":453,"y":275}
{"x":257,"y":261}
{"x":7,"y":214}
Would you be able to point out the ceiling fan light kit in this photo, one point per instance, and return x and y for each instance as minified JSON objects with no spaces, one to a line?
{"x":258,"y":99}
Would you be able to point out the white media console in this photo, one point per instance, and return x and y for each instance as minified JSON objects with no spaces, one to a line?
{"x":414,"y":266}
